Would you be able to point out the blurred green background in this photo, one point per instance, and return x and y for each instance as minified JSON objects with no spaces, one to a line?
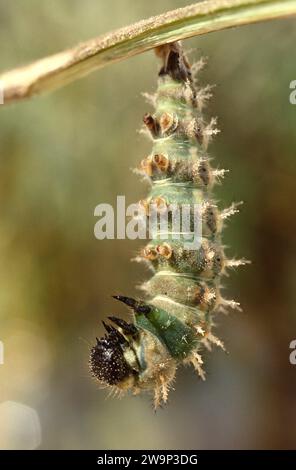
{"x":64,"y":153}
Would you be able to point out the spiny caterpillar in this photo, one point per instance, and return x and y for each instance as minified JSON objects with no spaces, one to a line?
{"x":175,"y":322}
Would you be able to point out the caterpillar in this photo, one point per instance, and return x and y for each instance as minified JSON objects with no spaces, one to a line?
{"x":175,"y":321}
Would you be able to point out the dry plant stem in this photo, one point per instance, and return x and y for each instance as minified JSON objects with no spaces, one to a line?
{"x":57,"y":70}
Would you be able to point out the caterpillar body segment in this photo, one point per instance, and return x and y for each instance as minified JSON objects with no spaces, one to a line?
{"x":174,"y":322}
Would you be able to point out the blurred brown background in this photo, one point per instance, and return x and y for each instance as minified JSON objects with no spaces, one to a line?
{"x":63,"y":154}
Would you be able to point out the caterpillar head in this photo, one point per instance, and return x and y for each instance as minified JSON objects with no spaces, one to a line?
{"x":132,"y":356}
{"x":112,"y":360}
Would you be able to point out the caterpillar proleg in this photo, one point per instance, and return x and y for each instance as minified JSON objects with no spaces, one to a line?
{"x":174,"y":322}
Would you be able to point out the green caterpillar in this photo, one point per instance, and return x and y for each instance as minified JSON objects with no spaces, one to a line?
{"x":175,"y":322}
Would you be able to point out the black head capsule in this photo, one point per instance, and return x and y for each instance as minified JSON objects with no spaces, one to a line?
{"x":107,"y":362}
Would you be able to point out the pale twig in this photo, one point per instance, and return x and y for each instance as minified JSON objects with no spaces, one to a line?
{"x":57,"y":70}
